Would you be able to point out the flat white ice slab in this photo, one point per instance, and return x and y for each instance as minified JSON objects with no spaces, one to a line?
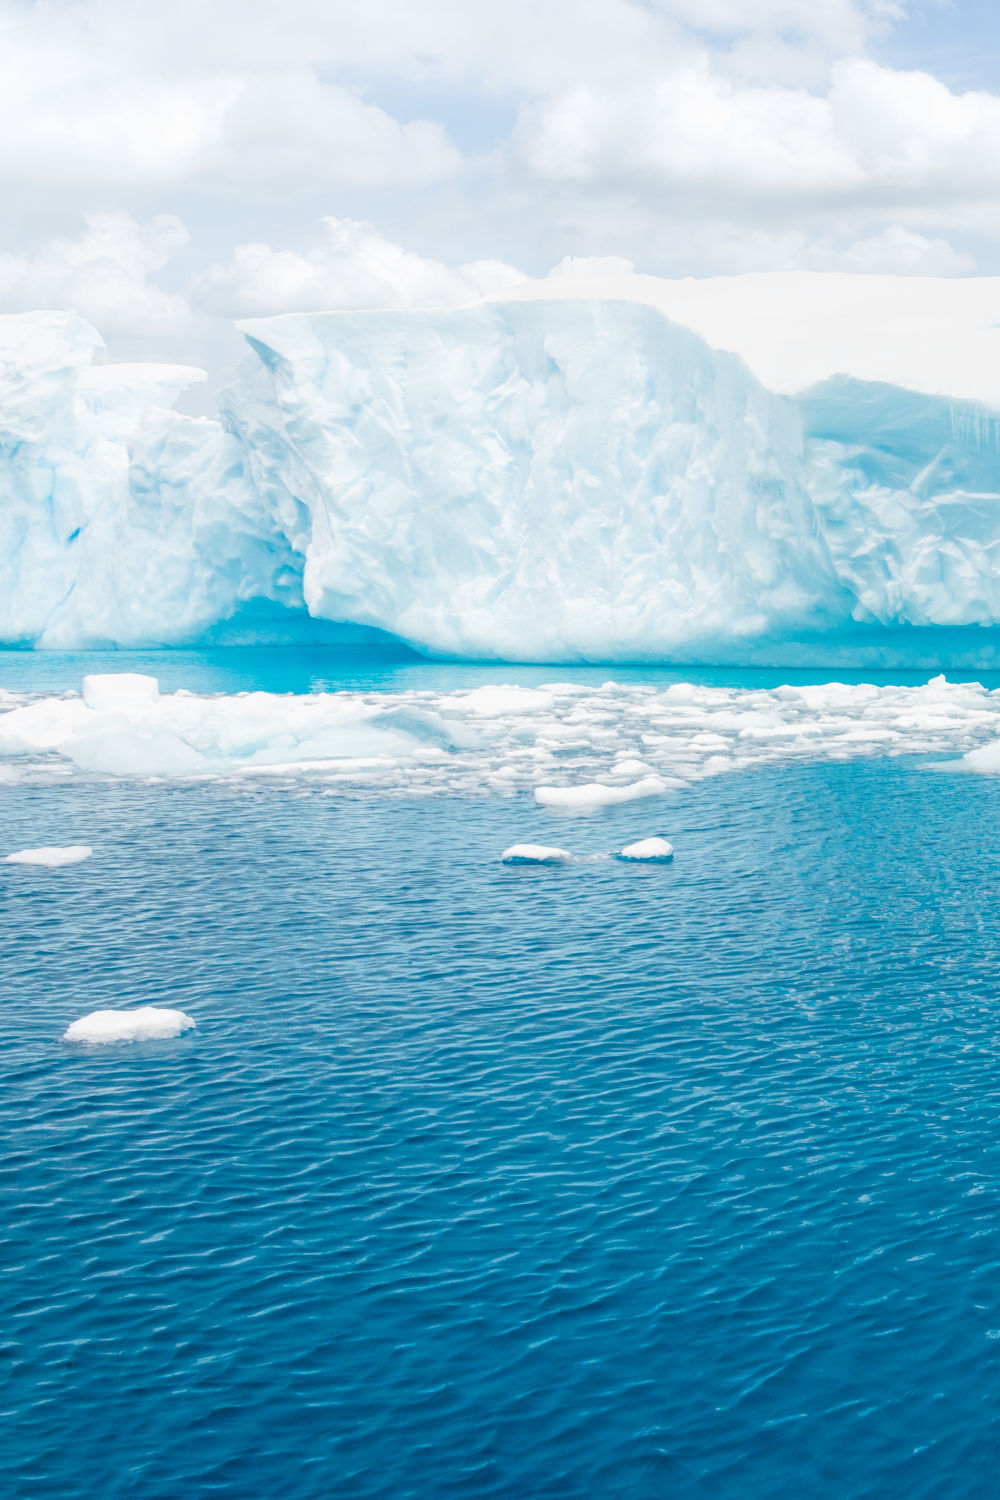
{"x":146,"y":1023}
{"x":534,"y":854}
{"x":596,"y":794}
{"x":648,"y":849}
{"x":120,"y":690}
{"x":70,"y":854}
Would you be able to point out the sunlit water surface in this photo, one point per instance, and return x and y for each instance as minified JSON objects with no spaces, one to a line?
{"x":598,"y":1181}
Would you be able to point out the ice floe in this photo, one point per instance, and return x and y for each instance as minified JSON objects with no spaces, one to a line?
{"x":147,"y":1023}
{"x":575,"y":747}
{"x":51,"y":855}
{"x":120,"y":690}
{"x":595,"y":794}
{"x":535,"y":854}
{"x":648,"y":850}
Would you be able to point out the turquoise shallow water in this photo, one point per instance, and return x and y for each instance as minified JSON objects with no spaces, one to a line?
{"x":309,"y":669}
{"x":482,"y":1181}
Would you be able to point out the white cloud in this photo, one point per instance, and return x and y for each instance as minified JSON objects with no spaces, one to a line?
{"x":253,"y":97}
{"x":104,"y":274}
{"x":900,"y":137}
{"x":896,"y":251}
{"x":83,"y":101}
{"x":726,"y":250}
{"x":843,"y":25}
{"x":353,"y":266}
{"x":689,"y":135}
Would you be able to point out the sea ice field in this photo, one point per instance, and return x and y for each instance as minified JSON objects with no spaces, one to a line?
{"x":399,"y":1170}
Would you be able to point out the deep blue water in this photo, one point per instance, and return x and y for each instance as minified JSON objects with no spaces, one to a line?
{"x":595,"y":1182}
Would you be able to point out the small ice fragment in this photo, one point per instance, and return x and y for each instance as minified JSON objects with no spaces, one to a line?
{"x":490,"y":702}
{"x":119,"y":690}
{"x":629,"y":767}
{"x":534,"y":854}
{"x":648,"y":849}
{"x":70,"y":854}
{"x":145,"y":1024}
{"x":596,"y":794}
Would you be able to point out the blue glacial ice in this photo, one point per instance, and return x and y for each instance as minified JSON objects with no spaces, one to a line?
{"x":546,"y":480}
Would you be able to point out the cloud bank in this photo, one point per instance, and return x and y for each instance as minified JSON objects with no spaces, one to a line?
{"x":167,"y":168}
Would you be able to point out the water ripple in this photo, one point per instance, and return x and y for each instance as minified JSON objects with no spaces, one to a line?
{"x":489,"y":1181}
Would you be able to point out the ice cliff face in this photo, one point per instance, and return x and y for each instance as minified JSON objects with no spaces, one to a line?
{"x":525,"y":480}
{"x":121,"y":521}
{"x":907,"y":494}
{"x":541,"y":481}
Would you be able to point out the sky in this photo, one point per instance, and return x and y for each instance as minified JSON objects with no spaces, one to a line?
{"x":167,"y":168}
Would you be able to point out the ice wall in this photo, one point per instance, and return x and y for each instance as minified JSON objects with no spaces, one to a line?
{"x":122,"y":522}
{"x":907,"y":494}
{"x":532,"y":481}
{"x":525,"y":480}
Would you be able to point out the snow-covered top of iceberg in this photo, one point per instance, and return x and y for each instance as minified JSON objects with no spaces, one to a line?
{"x":939,"y":335}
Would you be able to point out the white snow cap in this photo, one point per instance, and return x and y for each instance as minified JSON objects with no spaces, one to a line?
{"x":648,"y":849}
{"x":534,"y":854}
{"x":145,"y":1024}
{"x":52,"y":856}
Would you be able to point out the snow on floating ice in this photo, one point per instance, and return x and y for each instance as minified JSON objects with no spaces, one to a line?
{"x":147,"y":1023}
{"x":648,"y":850}
{"x":986,"y":759}
{"x":491,"y":702}
{"x":120,"y":690}
{"x":581,"y":751}
{"x":51,"y":855}
{"x":595,"y":794}
{"x":535,"y":854}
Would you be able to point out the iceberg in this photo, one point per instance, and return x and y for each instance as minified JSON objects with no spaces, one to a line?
{"x":907,"y":495}
{"x":554,"y":479}
{"x":532,"y":481}
{"x":122,"y":522}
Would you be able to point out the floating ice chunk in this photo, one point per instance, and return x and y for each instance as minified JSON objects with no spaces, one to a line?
{"x":649,"y":850}
{"x":145,"y":1024}
{"x":596,"y":794}
{"x":629,"y":767}
{"x":52,"y":855}
{"x":986,"y":759}
{"x":135,"y":753}
{"x":535,"y":854}
{"x":491,"y":702}
{"x":120,"y":691}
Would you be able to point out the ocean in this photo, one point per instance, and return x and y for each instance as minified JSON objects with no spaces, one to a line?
{"x":593,"y":1182}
